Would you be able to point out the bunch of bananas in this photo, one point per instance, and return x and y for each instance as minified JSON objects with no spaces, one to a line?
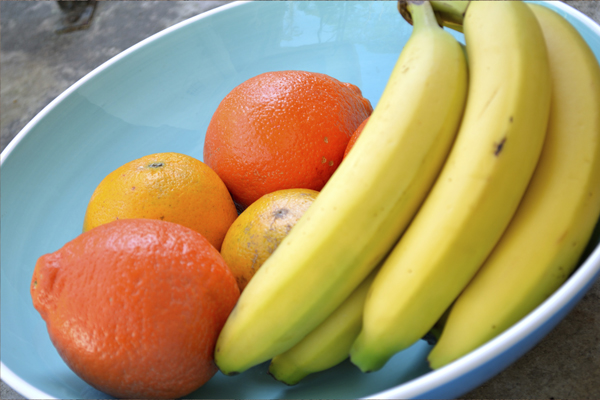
{"x":470,"y":194}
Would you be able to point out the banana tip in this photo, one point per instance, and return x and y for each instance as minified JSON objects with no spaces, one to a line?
{"x":287,"y":382}
{"x":231,"y":373}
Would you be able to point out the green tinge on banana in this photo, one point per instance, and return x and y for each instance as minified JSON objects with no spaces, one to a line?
{"x":478,"y":190}
{"x":544,"y":241}
{"x":327,"y":345}
{"x":362,"y":210}
{"x":451,"y":13}
{"x":448,"y":13}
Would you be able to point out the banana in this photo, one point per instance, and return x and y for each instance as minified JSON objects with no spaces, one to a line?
{"x":449,"y":13}
{"x":327,"y":345}
{"x":364,"y":207}
{"x":548,"y":234}
{"x":452,"y":12}
{"x":478,"y":190}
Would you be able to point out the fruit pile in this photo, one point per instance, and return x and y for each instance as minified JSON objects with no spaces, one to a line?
{"x":469,"y":196}
{"x":318,"y":229}
{"x":134,"y":305}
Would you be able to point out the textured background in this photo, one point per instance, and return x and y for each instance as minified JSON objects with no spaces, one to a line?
{"x":36,"y":65}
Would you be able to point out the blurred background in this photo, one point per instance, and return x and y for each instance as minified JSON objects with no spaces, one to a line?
{"x":46,"y":46}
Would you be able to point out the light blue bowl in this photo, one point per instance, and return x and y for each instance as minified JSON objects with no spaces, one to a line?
{"x":158,"y":96}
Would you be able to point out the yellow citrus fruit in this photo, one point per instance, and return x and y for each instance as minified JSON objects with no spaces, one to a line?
{"x":257,"y":232}
{"x":171,"y":187}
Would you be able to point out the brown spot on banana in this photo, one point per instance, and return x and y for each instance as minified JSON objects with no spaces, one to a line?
{"x":499,"y":146}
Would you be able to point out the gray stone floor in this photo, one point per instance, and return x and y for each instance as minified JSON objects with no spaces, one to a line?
{"x":37,"y":65}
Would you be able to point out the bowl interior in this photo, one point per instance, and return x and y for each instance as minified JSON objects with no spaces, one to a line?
{"x":159,"y":96}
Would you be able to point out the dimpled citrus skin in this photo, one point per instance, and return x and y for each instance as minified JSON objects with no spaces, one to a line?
{"x":167,"y":186}
{"x":257,"y":232}
{"x":282,"y":130}
{"x":134,"y":307}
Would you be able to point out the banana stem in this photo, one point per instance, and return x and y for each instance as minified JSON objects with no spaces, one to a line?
{"x":451,"y":13}
{"x":422,"y":15}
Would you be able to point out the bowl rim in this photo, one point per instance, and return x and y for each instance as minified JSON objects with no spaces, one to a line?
{"x":583,"y":276}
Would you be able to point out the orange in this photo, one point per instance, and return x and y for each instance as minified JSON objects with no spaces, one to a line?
{"x":134,"y":307}
{"x":168,"y":186}
{"x":257,"y":232}
{"x":282,"y":130}
{"x":355,"y":136}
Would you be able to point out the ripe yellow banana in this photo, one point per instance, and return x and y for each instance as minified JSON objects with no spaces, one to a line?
{"x":552,"y":225}
{"x":363,"y":209}
{"x":478,"y":190}
{"x":327,"y":345}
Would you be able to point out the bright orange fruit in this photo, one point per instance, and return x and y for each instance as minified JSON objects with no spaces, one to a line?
{"x":134,"y":307}
{"x":355,"y":136}
{"x":257,"y":232}
{"x":282,"y":130}
{"x":167,"y":186}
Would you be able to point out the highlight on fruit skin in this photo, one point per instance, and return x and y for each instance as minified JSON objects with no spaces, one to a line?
{"x":134,"y":307}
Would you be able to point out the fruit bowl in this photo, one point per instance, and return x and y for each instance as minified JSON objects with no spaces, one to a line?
{"x":158,"y":96}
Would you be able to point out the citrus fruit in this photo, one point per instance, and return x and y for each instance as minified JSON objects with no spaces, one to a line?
{"x":167,"y":186}
{"x":282,"y":130}
{"x":134,"y":306}
{"x":355,"y":136}
{"x":260,"y":228}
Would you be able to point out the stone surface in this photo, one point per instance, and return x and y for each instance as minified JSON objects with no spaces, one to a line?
{"x":36,"y":65}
